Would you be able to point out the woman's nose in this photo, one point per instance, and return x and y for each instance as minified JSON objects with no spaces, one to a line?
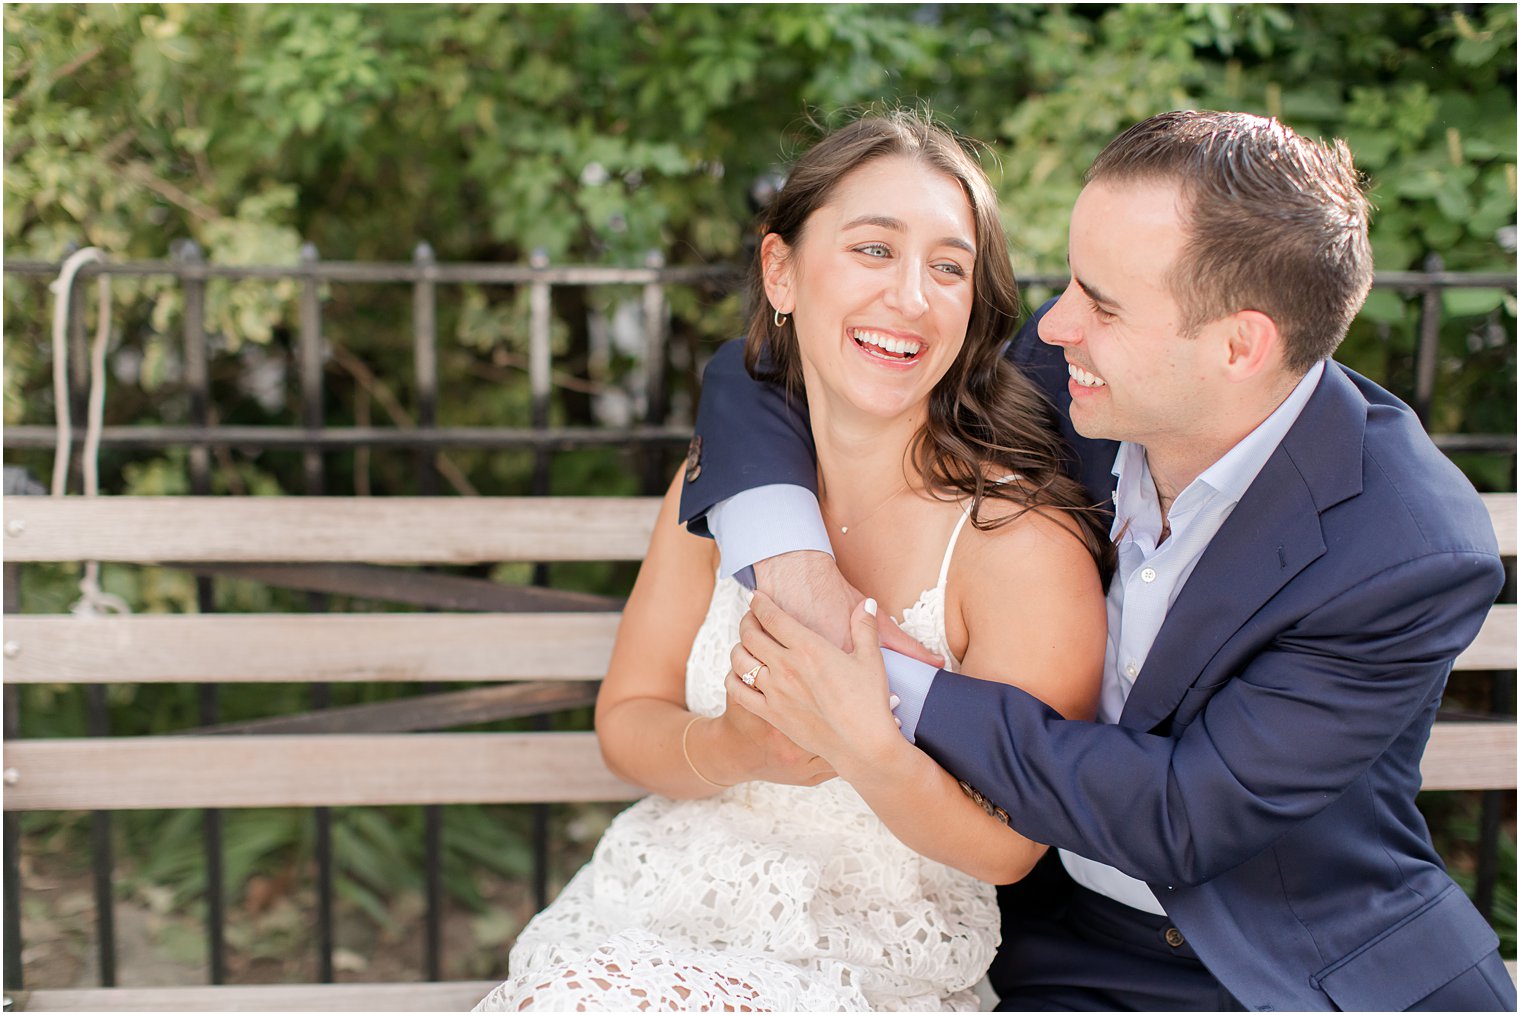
{"x":906,"y":294}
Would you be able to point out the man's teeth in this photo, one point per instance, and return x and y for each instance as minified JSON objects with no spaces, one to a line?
{"x":1084,"y":378}
{"x":905,"y":347}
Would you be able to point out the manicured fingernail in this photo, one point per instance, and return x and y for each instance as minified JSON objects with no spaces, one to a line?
{"x":871,"y":607}
{"x":894,"y":701}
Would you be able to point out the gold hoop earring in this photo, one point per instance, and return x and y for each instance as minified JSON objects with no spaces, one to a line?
{"x":778,"y":317}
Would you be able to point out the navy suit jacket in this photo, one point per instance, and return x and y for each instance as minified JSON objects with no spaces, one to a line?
{"x":1262,"y":776}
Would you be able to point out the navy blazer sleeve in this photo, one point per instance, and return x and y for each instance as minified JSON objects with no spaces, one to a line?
{"x":1278,"y":742}
{"x":1337,"y":671}
{"x":748,"y":434}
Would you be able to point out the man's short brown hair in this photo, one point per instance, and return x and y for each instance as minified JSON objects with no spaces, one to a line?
{"x":1275,"y":222}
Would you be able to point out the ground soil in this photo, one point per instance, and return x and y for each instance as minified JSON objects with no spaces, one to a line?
{"x":270,"y":930}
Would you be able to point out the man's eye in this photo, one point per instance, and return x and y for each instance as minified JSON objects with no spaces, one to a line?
{"x":1103,"y":314}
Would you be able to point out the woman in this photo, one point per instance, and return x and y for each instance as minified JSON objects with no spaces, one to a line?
{"x":883,"y":291}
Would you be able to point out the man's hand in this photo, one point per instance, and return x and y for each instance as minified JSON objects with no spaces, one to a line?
{"x":808,"y":586}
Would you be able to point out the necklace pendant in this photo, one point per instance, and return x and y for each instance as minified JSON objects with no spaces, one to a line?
{"x":844,"y":530}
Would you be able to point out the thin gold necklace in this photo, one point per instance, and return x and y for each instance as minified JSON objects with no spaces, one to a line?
{"x":844,"y":530}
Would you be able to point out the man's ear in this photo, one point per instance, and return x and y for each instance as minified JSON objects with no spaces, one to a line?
{"x":776,"y":271}
{"x":1252,"y":344}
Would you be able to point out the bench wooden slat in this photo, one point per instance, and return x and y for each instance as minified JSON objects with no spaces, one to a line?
{"x":1494,"y":647}
{"x":133,"y":773}
{"x":1469,"y":755}
{"x":214,"y":648}
{"x":1502,"y":509}
{"x":381,"y":530}
{"x":359,"y":647}
{"x":457,"y":995}
{"x":342,"y":770}
{"x":397,"y":530}
{"x":381,"y":647}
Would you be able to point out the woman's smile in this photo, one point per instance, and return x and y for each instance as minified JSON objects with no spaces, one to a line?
{"x":887,"y":346}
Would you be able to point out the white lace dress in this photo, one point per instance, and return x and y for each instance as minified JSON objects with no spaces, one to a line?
{"x":763,"y":897}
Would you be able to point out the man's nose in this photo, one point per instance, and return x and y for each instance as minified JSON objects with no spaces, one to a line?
{"x":1059,"y":325}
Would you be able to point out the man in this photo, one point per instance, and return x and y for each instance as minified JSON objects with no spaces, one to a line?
{"x":1298,"y":567}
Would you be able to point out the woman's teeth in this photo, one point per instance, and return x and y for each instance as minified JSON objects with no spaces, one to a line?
{"x":898,"y":348}
{"x":1084,"y":378}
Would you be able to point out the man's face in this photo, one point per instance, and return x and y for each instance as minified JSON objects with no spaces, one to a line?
{"x":1132,"y":376}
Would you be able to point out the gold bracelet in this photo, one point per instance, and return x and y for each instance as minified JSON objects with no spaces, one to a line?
{"x":691,"y":764}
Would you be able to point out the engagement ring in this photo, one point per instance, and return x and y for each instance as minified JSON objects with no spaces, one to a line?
{"x":748,"y":676}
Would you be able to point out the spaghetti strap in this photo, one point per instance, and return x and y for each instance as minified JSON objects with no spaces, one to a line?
{"x":944,"y":567}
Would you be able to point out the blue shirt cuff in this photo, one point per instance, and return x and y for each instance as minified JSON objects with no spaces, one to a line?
{"x":763,"y":522}
{"x":910,"y":680}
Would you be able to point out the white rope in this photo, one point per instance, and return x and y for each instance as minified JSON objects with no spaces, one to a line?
{"x":93,"y":599}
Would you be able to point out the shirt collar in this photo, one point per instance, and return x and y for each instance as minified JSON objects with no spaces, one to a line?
{"x":1231,"y":475}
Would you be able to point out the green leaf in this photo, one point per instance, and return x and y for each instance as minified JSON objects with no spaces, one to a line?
{"x":1385,"y":307}
{"x":1471,"y":302}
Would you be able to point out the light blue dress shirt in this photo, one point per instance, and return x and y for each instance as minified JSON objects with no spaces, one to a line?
{"x":764,"y":522}
{"x":1150,"y":577}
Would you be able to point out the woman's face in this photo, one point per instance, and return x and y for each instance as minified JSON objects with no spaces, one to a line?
{"x":880,"y":285}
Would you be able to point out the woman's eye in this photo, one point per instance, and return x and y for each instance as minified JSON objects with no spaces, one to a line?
{"x":874,"y":250}
{"x":951,"y":268}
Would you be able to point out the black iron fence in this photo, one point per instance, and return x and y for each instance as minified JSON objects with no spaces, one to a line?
{"x":653,"y":431}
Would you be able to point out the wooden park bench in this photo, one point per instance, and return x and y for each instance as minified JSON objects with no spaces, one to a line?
{"x":529,"y":654}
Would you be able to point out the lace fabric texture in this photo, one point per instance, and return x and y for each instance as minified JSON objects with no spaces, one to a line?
{"x":764,"y":897}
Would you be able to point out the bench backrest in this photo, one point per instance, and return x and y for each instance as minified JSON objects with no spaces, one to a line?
{"x":314,"y":769}
{"x":410,"y":768}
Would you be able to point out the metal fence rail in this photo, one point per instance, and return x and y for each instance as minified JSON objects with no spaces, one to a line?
{"x":653,"y":431}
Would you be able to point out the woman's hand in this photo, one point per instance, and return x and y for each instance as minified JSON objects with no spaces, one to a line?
{"x":828,"y":702}
{"x":739,"y":746}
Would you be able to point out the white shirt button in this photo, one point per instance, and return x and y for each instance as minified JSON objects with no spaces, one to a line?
{"x":1131,"y":670}
{"x":1148,"y":575}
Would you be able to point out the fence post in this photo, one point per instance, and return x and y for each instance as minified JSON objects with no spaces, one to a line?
{"x":312,"y":403}
{"x":656,"y":324}
{"x":98,"y":724}
{"x":1427,"y":351}
{"x":187,"y":255}
{"x":12,"y":820}
{"x":310,"y":339}
{"x":425,"y":367}
{"x":539,"y":375}
{"x":425,"y":360}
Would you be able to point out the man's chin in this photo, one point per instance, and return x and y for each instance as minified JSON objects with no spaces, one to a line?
{"x":1092,"y":427}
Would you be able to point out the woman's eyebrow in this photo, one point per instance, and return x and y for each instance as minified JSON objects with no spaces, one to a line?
{"x":897,"y":225}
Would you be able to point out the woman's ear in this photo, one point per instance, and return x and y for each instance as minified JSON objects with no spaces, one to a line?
{"x":776,"y":271}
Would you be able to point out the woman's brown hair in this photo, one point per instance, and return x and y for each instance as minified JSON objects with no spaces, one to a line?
{"x":984,"y":416}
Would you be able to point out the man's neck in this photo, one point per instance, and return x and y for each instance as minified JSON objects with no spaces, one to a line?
{"x":1173,"y":472}
{"x":1174,"y":464}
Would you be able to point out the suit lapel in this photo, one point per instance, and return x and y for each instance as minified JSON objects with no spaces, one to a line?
{"x":1272,"y":535}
